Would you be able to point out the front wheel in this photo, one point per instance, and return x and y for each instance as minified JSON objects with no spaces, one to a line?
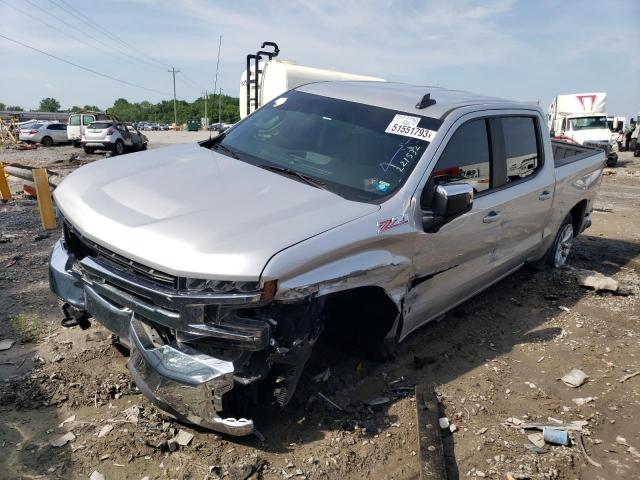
{"x":118,"y":149}
{"x":561,"y":247}
{"x":47,"y":141}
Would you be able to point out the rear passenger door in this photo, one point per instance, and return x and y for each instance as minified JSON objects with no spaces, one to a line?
{"x":527,"y":179}
{"x":58,"y":132}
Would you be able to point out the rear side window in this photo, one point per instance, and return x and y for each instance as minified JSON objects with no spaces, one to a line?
{"x":87,"y":119}
{"x":74,"y":120}
{"x":466,"y":158}
{"x":99,"y":125}
{"x":521,"y":147}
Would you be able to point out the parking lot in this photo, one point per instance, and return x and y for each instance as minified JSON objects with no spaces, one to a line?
{"x":499,"y":356}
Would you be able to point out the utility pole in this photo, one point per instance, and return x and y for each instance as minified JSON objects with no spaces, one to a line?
{"x":215,"y":83}
{"x":206,"y":99}
{"x":220,"y":106}
{"x":175,"y":108}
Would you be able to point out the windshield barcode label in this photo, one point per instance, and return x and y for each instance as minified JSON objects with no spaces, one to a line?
{"x":407,"y":126}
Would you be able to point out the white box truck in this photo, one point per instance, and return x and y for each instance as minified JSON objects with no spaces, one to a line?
{"x":582,"y":118}
{"x":274,"y":77}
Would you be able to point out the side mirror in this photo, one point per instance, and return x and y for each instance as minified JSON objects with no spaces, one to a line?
{"x":449,"y":201}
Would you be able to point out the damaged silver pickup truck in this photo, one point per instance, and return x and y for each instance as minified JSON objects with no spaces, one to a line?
{"x":357,"y":209}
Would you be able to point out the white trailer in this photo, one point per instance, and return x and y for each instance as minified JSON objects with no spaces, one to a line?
{"x":274,"y":77}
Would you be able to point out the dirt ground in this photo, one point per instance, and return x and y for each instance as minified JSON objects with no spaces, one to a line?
{"x":498,"y":356}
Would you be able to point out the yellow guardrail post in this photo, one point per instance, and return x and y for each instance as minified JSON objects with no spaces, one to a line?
{"x":45,"y":203}
{"x":4,"y":185}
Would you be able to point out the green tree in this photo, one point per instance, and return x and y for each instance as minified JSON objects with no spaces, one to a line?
{"x":49,"y":104}
{"x":14,"y":108}
{"x":2,"y":106}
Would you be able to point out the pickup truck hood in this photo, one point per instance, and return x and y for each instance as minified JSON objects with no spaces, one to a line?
{"x":189,"y":211}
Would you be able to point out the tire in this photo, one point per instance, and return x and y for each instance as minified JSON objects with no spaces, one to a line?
{"x":118,"y":148}
{"x":144,"y":146}
{"x":561,"y":247}
{"x":89,"y":150}
{"x":46,"y":141}
{"x":612,"y":160}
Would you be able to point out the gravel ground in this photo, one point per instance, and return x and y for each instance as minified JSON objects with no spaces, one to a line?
{"x":497,"y":356}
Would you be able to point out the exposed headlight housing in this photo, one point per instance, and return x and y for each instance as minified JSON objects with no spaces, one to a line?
{"x":200,"y":285}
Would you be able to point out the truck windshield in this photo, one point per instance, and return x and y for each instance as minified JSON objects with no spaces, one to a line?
{"x":586,"y":123}
{"x":342,"y":146}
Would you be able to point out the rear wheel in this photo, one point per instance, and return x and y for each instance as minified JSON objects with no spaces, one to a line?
{"x":47,"y":141}
{"x":118,"y":149}
{"x":561,"y":247}
{"x":144,"y":146}
{"x":89,"y":150}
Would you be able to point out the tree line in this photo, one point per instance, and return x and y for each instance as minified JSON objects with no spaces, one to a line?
{"x":219,"y":106}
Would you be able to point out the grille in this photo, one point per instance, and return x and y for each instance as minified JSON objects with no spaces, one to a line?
{"x":83,"y":247}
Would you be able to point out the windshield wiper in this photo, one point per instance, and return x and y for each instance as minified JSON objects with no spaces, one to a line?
{"x":219,"y":146}
{"x":287,"y":171}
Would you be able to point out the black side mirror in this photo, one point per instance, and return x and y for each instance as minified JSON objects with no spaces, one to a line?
{"x":449,"y":201}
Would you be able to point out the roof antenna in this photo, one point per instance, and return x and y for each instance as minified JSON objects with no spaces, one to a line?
{"x":426,"y":101}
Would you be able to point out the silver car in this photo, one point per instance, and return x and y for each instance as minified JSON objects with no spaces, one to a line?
{"x":115,"y":136}
{"x":46,"y":133}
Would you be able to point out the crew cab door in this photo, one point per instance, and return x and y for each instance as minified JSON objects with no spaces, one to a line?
{"x":528,"y":180}
{"x":513,"y":189}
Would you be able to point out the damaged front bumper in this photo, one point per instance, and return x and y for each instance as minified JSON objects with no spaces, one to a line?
{"x":172,"y":339}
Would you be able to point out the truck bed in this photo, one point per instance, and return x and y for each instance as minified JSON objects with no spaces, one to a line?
{"x":565,"y":153}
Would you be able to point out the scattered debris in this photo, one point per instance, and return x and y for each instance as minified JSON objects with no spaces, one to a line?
{"x":96,"y":475}
{"x":534,"y":449}
{"x":575,"y":378}
{"x":537,"y":439}
{"x":132,"y":414}
{"x":374,"y":402}
{"x":444,"y":423}
{"x":6,"y":344}
{"x":105,"y":430}
{"x":482,"y":431}
{"x":555,"y":436}
{"x":563,"y":308}
{"x":70,"y":419}
{"x":97,"y":336}
{"x":63,"y":440}
{"x":583,"y":401}
{"x":596,"y":281}
{"x":584,"y":451}
{"x":183,"y":438}
{"x":330,"y":402}
{"x":627,"y":377}
{"x":322,"y":376}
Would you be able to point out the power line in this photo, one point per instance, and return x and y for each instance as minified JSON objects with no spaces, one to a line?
{"x":95,"y":72}
{"x":113,"y":36}
{"x":59,"y":30}
{"x":111,"y":47}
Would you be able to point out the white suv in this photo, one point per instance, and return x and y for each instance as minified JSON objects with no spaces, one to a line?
{"x":78,"y":122}
{"x":115,"y":136}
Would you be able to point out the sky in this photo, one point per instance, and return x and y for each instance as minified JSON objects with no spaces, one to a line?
{"x":516,"y":49}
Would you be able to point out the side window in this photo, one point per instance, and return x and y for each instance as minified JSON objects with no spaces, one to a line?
{"x":521,"y":147}
{"x":74,"y":120}
{"x":87,"y":119}
{"x":466,"y":158}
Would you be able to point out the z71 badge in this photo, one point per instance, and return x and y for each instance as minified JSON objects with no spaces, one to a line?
{"x":389,"y":223}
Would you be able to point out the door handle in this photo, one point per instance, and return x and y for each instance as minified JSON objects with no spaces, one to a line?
{"x":545,"y":196}
{"x":493,"y":216}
